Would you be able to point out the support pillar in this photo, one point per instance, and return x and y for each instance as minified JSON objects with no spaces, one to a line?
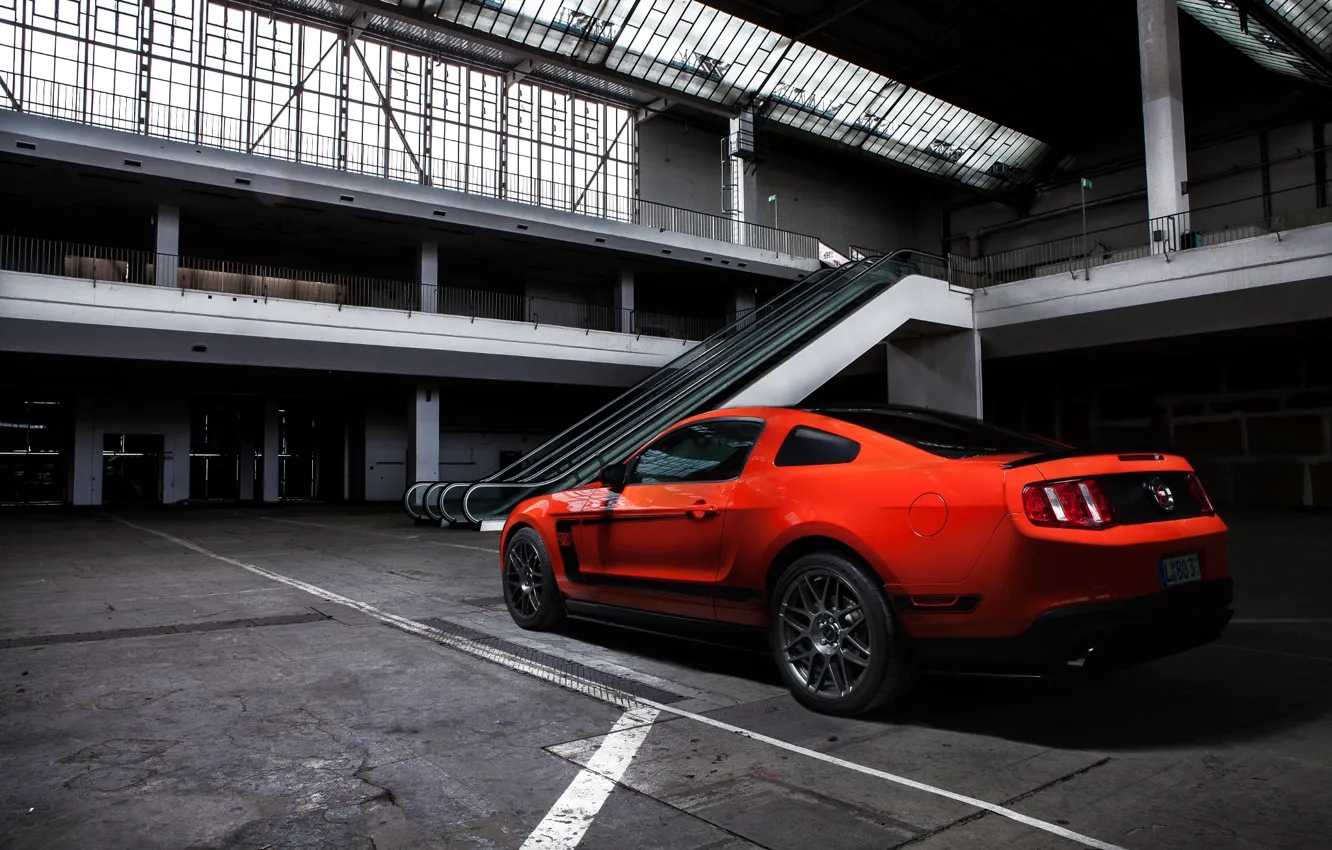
{"x":246,"y":471}
{"x":272,"y":450}
{"x":423,"y":450}
{"x":1163,"y":122}
{"x":741,"y":189}
{"x":940,"y":372}
{"x":624,"y":301}
{"x":85,"y":467}
{"x":428,"y":277}
{"x":167,"y":222}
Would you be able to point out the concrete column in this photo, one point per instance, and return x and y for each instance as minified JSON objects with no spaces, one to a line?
{"x":272,"y":448}
{"x":428,"y":276}
{"x":941,"y":372}
{"x":742,"y":181}
{"x":423,"y":448}
{"x":168,"y":244}
{"x":624,"y":300}
{"x":1163,"y":120}
{"x":246,"y":472}
{"x":85,"y":466}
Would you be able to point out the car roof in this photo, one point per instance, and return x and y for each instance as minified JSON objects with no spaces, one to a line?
{"x":801,"y":411}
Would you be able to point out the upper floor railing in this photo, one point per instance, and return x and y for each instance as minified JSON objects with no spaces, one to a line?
{"x":119,"y":265}
{"x":578,"y":193}
{"x":1210,"y":225}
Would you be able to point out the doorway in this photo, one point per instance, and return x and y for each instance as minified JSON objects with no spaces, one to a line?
{"x":132,"y":469}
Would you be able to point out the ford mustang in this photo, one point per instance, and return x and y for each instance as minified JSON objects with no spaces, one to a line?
{"x":874,"y":542}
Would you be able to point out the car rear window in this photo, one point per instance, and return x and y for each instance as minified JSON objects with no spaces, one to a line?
{"x":806,"y":446}
{"x":943,"y":434}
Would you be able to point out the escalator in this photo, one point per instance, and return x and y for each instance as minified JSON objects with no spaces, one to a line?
{"x":704,"y":378}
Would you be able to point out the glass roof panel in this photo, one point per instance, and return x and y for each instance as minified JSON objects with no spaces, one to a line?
{"x":580,"y":29}
{"x":692,"y":48}
{"x":818,"y":92}
{"x":688,"y":47}
{"x":1311,"y":17}
{"x":1222,"y":17}
{"x":924,"y":132}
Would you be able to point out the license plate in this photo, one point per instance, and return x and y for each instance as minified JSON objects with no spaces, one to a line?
{"x":1180,"y":569}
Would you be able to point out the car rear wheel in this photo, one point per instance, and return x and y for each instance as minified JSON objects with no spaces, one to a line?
{"x":834,"y":636}
{"x":530,"y":592}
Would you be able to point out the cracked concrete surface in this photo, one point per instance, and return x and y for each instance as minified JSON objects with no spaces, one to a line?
{"x":346,"y":733}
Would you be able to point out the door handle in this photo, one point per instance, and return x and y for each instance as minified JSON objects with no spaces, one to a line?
{"x":701,"y":510}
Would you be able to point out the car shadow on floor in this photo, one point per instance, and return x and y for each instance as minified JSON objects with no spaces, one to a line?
{"x":743,"y":662}
{"x":1209,"y":696}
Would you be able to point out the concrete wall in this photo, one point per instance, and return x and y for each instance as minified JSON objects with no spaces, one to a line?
{"x":1219,"y":174}
{"x":832,"y":195}
{"x":386,"y":441}
{"x":472,"y":455}
{"x":96,"y":417}
{"x":680,"y":164}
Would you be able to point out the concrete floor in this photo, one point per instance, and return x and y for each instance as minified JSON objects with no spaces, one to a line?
{"x":292,"y":721}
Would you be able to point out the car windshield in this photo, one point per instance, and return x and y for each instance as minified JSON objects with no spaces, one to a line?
{"x":943,"y":434}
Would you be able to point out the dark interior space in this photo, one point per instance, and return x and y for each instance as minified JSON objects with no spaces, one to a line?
{"x":1250,"y":409}
{"x":132,"y":469}
{"x":34,"y":432}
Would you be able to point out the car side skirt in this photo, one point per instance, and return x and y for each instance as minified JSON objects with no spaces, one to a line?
{"x":688,"y":628}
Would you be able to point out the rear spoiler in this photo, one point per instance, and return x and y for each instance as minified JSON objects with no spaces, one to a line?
{"x":1032,"y":460}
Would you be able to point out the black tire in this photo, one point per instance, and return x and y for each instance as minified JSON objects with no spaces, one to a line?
{"x":526,"y":565}
{"x":818,"y":654}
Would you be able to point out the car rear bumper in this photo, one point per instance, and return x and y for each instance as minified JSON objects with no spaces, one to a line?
{"x":1105,"y":634}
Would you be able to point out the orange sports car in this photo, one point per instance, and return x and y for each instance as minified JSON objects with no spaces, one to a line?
{"x":874,"y":542}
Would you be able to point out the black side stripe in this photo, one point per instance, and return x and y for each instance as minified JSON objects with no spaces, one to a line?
{"x":569,"y":555}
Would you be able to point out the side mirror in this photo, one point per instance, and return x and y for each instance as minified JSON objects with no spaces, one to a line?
{"x":614,"y":475}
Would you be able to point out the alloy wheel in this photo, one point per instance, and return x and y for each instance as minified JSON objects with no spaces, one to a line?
{"x":825,"y":637}
{"x":523,"y":578}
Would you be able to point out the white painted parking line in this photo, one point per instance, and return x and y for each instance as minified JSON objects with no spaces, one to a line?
{"x":477,"y":649}
{"x":616,"y":697}
{"x":568,"y":820}
{"x":354,"y":529}
{"x":891,"y":777}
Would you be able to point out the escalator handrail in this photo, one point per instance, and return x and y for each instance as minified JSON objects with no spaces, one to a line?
{"x":766,"y":327}
{"x":800,"y":297}
{"x":656,"y":376}
{"x":682,"y":400}
{"x":684,"y":392}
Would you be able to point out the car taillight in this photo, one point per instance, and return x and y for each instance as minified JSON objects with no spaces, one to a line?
{"x":1200,"y":495}
{"x":1067,"y":504}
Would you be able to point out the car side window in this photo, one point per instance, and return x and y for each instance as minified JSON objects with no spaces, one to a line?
{"x":713,"y":450}
{"x":806,"y":446}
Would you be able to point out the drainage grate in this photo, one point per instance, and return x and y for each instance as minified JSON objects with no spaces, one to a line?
{"x":149,"y":631}
{"x":570,"y":674}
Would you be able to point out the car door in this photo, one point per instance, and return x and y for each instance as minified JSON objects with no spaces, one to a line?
{"x":656,"y":543}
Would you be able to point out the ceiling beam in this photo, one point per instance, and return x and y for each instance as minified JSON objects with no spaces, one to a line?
{"x":518,"y":72}
{"x":654,"y":108}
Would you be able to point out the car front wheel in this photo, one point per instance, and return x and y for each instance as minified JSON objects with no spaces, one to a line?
{"x":530,"y":592}
{"x":834,"y":636}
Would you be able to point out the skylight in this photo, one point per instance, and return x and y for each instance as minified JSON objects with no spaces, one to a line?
{"x":1313,"y":18}
{"x":691,"y":48}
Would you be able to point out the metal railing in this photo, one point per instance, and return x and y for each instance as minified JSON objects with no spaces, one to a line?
{"x":226,"y":277}
{"x":1078,"y":255}
{"x":582,"y":193}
